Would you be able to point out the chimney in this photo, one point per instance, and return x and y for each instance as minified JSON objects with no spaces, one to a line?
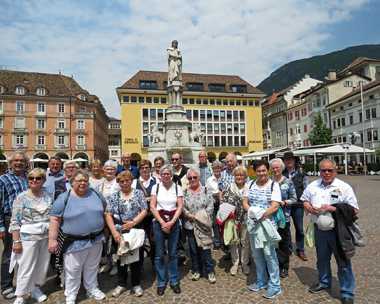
{"x":331,"y":75}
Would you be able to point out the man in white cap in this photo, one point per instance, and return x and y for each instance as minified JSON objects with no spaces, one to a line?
{"x":319,"y":199}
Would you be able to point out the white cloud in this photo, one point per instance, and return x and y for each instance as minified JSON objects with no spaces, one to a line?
{"x":104,"y":43}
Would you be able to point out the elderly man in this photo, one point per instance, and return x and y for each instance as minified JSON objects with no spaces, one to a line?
{"x":126,"y":164}
{"x":62,"y":185}
{"x":12,"y":183}
{"x":53,"y":173}
{"x":300,"y":182}
{"x":180,"y":170}
{"x":323,"y":198}
{"x":227,"y":177}
{"x":204,"y":168}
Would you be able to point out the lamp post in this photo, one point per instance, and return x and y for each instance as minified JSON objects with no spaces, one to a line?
{"x":363,"y":128}
{"x":345,"y":146}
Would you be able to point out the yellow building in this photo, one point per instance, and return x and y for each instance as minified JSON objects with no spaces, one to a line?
{"x":226,"y":107}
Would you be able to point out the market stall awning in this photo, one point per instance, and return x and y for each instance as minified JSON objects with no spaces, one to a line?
{"x":260,"y":154}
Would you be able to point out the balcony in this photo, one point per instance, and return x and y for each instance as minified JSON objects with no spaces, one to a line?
{"x":40,"y":147}
{"x":81,"y":131}
{"x":62,"y":147}
{"x":61,"y":131}
{"x":20,"y":130}
{"x":19,"y":147}
{"x":81,"y":147}
{"x":40,"y":114}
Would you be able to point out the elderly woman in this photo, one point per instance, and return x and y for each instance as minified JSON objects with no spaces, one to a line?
{"x":266,"y":195}
{"x":126,"y":209}
{"x":158,"y":163}
{"x":145,"y":183}
{"x":29,"y":227}
{"x":166,"y":205}
{"x":108,"y":185}
{"x":79,"y":213}
{"x":288,"y":197}
{"x":96,"y":177}
{"x":198,"y":210}
{"x":233,"y":195}
{"x":212,"y":186}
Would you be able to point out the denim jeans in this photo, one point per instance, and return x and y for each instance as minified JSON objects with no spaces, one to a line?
{"x":201,"y":260}
{"x":325,"y":243}
{"x":266,"y":263}
{"x":167,"y":272}
{"x":6,"y":277}
{"x":297,"y":215}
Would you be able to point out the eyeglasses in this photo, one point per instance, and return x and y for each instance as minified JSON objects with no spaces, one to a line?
{"x":35,"y":178}
{"x":327,"y":170}
{"x":192,"y":177}
{"x":175,"y":159}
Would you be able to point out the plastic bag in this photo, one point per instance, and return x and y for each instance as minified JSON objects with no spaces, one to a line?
{"x":309,"y":235}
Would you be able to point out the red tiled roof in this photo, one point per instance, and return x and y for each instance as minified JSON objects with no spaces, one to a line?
{"x":205,"y":79}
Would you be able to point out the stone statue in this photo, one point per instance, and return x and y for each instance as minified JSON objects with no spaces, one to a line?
{"x":175,"y":63}
{"x":157,"y":136}
{"x":196,"y":136}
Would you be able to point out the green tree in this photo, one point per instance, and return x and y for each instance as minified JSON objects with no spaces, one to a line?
{"x":320,"y":134}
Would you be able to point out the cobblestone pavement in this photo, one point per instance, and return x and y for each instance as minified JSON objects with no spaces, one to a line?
{"x":228,"y":289}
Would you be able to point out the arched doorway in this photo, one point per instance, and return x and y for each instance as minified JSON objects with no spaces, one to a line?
{"x":135,"y":159}
{"x":63,"y":156}
{"x":3,"y":164}
{"x":222,"y":155}
{"x":40,"y":160}
{"x":82,"y":159}
{"x":211,"y":156}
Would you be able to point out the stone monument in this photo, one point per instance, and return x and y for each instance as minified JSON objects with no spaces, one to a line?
{"x":178,"y":135}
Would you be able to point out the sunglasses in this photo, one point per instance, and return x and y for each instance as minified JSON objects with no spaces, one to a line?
{"x":327,"y":170}
{"x":35,"y":178}
{"x":192,"y":177}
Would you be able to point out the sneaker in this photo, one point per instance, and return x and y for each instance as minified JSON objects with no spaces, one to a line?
{"x":212,"y":278}
{"x":138,"y":291}
{"x":113,"y":271}
{"x":195,"y":276}
{"x":234,"y":270}
{"x":255,"y":288}
{"x":38,"y":295}
{"x":19,"y":300}
{"x":8,"y":293}
{"x":246,"y":269}
{"x":96,"y":294}
{"x":271,"y":294}
{"x":118,"y":291}
{"x":70,"y":300}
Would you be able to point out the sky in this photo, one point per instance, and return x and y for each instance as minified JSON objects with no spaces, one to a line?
{"x":103,"y":43}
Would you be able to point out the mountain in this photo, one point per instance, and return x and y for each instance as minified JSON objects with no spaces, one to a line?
{"x":316,"y":66}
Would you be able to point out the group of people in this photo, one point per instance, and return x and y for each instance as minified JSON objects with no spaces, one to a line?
{"x":110,"y":217}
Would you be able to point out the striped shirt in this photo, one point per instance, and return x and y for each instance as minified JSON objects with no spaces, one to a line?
{"x":11,"y":185}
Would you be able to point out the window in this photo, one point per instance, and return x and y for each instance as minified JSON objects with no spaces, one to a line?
{"x":239,"y":88}
{"x":126,"y":98}
{"x":19,"y":122}
{"x":194,"y":86}
{"x":198,"y":101}
{"x":348,"y":84}
{"x":212,"y":102}
{"x":188,"y":114}
{"x":20,"y":107}
{"x":41,"y":107}
{"x":1,"y":106}
{"x":242,"y":128}
{"x":156,"y":100}
{"x":148,"y":84}
{"x":1,"y":123}
{"x":61,"y":108}
{"x":145,"y":114}
{"x":216,"y":115}
{"x":304,"y":112}
{"x":216,"y":87}
{"x":41,"y":140}
{"x":40,"y":123}
{"x":41,"y":91}
{"x":80,"y":124}
{"x":202,"y":115}
{"x":290,"y":116}
{"x":334,"y":124}
{"x":242,"y":116}
{"x":343,"y":122}
{"x":60,"y":139}
{"x":360,"y":117}
{"x":82,"y":97}
{"x":205,"y":101}
{"x":351,"y":119}
{"x":82,"y":109}
{"x":305,"y":128}
{"x":373,"y":110}
{"x":2,"y":90}
{"x":61,"y":124}
{"x":163,"y":100}
{"x":184,"y":101}
{"x":114,"y":153}
{"x":160,"y":114}
{"x":223,"y":115}
{"x":367,"y":114}
{"x":209,"y":115}
{"x":218,"y":102}
{"x":80,"y":140}
{"x":20,"y":90}
{"x":152,"y":114}
{"x":375,"y":136}
{"x":133,"y":99}
{"x":291,"y":131}
{"x":141,"y":99}
{"x":297,"y":115}
{"x":369,"y":135}
{"x":195,"y":115}
{"x":225,"y":102}
{"x":229,"y":115}
{"x":20,"y":140}
{"x":235,"y":115}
